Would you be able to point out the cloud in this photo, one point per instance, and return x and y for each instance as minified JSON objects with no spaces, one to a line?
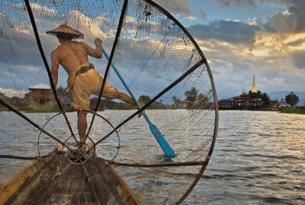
{"x":299,"y":59}
{"x":292,"y":20}
{"x":284,"y":22}
{"x":234,"y":64}
{"x":235,"y":50}
{"x":255,"y":22}
{"x":288,"y":21}
{"x":38,"y":9}
{"x":160,"y":48}
{"x":8,"y":92}
{"x":268,"y":44}
{"x":203,"y":14}
{"x":230,"y":31}
{"x":89,"y":26}
{"x":176,"y":6}
{"x":273,"y":49}
{"x":281,"y":36}
{"x":232,"y":2}
{"x":21,"y":64}
{"x":191,"y":18}
{"x":17,"y":42}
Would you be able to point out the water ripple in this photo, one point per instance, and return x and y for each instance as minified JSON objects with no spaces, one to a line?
{"x":259,"y":158}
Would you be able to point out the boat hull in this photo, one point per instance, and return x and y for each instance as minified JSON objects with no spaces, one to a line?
{"x":54,"y":180}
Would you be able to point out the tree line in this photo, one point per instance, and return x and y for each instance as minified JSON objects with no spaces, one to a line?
{"x":292,"y":99}
{"x":192,"y":100}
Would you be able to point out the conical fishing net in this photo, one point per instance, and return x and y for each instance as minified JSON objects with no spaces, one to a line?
{"x":148,"y":55}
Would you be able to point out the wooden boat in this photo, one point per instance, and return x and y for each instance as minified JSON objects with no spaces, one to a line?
{"x":54,"y":180}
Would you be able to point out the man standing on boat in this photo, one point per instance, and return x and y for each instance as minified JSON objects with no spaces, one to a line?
{"x":83,"y":79}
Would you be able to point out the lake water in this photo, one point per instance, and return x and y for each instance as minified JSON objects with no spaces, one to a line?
{"x":259,"y":157}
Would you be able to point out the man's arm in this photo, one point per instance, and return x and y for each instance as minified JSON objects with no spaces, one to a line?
{"x":54,"y":68}
{"x":97,"y":52}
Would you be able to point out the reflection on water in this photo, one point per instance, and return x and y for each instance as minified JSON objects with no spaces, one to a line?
{"x":259,"y":158}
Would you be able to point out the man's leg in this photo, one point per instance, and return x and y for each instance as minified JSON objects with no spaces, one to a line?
{"x":124,"y":97}
{"x":111,"y":93}
{"x":82,"y":124}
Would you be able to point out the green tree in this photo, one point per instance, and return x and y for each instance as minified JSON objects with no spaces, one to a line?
{"x":255,"y":95}
{"x":191,"y":95}
{"x":292,"y":99}
{"x":202,"y":100}
{"x":144,"y":99}
{"x":176,"y":101}
{"x":60,"y":91}
{"x":265,"y":98}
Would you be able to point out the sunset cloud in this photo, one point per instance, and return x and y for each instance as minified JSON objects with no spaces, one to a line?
{"x":90,"y":26}
{"x":254,"y":22}
{"x":271,"y":46}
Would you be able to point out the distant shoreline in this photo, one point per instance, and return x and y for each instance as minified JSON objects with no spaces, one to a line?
{"x":293,"y":111}
{"x":300,"y":111}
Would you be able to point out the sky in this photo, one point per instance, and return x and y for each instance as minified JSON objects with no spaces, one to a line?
{"x":245,"y":37}
{"x":239,"y":38}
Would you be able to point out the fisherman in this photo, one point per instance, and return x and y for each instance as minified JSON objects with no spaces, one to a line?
{"x":83,"y":79}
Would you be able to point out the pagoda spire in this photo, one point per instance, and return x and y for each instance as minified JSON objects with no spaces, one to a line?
{"x":253,"y":90}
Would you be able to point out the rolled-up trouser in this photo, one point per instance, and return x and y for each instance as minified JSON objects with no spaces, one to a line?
{"x":85,"y":84}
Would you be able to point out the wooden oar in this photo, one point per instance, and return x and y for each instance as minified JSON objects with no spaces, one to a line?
{"x":160,"y":138}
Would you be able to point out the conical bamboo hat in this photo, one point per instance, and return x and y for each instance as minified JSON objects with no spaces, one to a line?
{"x":65,"y":29}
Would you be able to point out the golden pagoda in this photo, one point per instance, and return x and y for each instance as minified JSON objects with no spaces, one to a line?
{"x":253,"y":90}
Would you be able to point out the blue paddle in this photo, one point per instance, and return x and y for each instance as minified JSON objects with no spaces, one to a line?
{"x":160,"y":138}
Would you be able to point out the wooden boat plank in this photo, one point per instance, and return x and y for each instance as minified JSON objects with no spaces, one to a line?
{"x":12,"y":186}
{"x":59,"y":182}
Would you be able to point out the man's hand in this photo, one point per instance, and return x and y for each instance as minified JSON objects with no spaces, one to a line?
{"x":98,"y":41}
{"x":97,"y":52}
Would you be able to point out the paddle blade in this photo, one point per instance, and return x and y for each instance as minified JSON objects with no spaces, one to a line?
{"x":168,"y":151}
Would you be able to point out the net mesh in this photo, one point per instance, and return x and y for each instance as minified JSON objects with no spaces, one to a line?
{"x":152,"y":52}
